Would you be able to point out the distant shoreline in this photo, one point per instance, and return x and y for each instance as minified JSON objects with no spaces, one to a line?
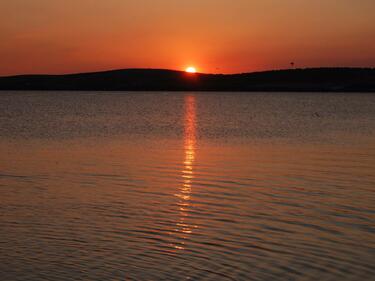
{"x":293,"y":80}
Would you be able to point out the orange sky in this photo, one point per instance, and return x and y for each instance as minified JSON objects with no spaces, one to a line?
{"x":221,"y":36}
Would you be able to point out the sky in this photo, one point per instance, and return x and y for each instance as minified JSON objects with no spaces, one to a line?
{"x":215,"y":36}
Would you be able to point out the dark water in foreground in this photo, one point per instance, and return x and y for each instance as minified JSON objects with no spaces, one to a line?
{"x":187,"y":186}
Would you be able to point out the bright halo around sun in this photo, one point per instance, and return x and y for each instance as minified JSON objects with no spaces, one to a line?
{"x":191,"y":69}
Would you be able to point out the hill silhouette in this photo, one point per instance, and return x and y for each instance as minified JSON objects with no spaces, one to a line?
{"x":313,"y":79}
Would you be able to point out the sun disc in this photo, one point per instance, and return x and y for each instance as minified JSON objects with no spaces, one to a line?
{"x":191,"y":69}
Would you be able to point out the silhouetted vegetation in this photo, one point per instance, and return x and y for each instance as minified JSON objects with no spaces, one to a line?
{"x":315,"y":79}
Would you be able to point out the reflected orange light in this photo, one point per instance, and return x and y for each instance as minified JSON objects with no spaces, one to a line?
{"x":189,"y":140}
{"x":184,"y":193}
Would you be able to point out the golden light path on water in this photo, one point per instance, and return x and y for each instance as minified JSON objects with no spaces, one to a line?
{"x":183,"y":228}
{"x":186,"y":186}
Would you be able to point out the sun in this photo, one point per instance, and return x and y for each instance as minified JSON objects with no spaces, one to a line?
{"x":191,"y":69}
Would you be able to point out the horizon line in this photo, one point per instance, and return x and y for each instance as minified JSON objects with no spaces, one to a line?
{"x":183,"y":71}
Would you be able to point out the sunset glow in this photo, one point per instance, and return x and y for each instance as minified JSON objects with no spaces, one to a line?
{"x":187,"y":140}
{"x":191,"y":69}
{"x":54,"y":37}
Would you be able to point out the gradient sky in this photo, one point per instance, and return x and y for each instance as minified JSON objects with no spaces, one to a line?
{"x":220,"y":36}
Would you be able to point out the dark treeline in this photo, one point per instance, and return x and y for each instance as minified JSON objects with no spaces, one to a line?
{"x":314,"y":79}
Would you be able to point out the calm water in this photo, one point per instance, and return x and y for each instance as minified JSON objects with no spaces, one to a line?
{"x":187,"y":186}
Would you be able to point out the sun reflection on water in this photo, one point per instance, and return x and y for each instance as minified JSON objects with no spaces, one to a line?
{"x":183,"y":228}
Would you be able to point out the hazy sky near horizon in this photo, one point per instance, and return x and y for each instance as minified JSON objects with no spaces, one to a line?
{"x":221,"y":36}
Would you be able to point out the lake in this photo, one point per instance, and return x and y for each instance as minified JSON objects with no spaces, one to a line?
{"x":187,"y":186}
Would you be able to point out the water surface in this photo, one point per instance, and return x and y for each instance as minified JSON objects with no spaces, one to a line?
{"x":179,"y":186}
